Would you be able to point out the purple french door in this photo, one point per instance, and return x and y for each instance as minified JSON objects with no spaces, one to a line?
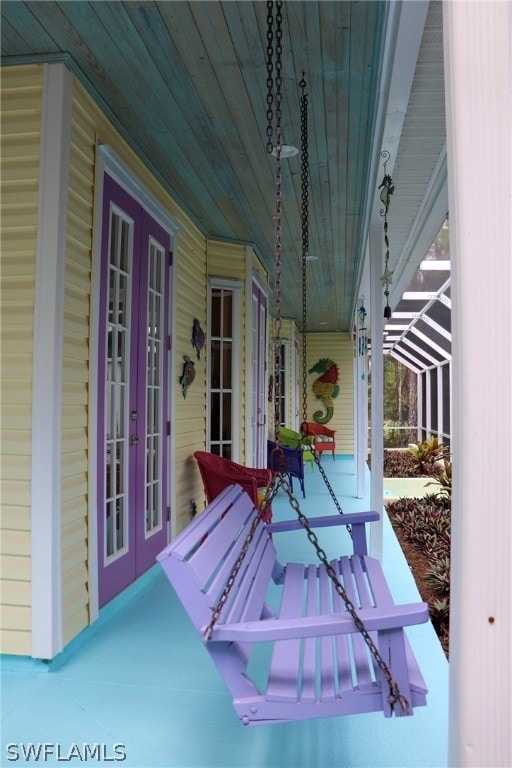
{"x":132,"y":391}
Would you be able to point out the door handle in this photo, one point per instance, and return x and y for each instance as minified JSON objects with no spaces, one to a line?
{"x":134,"y":440}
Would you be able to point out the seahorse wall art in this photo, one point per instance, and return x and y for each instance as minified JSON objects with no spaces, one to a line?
{"x":325,"y":387}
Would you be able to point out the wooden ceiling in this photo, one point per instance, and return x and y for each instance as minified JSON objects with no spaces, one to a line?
{"x":186,"y":84}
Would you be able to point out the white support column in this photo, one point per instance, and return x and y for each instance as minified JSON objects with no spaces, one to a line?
{"x":419,"y":401}
{"x":46,"y":567}
{"x":361,"y":393}
{"x":377,"y":362}
{"x":478,"y":65}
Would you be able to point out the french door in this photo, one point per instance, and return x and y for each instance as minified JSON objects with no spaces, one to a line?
{"x":132,"y":393}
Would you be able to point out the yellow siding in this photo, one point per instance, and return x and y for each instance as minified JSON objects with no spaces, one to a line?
{"x":21,"y":94}
{"x":194,"y":261}
{"x":337,"y":347}
{"x":190,"y":412}
{"x":75,"y":372}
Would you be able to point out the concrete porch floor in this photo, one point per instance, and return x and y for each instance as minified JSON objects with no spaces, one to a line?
{"x":140,"y":678}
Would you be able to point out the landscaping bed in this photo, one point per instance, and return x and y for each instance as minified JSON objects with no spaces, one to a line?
{"x":423,"y":528}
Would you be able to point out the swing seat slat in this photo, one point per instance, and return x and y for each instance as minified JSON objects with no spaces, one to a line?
{"x":318,"y":664}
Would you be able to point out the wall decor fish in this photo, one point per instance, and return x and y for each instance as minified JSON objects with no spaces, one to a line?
{"x":198,"y":337}
{"x":188,"y":375}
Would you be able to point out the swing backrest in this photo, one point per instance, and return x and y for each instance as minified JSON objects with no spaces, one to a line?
{"x":198,"y":564}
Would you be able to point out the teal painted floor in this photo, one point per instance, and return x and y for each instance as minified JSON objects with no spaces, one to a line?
{"x":137,"y":689}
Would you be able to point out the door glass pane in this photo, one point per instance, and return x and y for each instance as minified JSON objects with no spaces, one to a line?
{"x":154,"y":389}
{"x":221,"y":371}
{"x":216,"y":305}
{"x":227,"y":314}
{"x":117,"y":365}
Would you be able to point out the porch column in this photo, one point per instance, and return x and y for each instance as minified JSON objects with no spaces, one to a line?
{"x":46,"y":566}
{"x":478,"y":62}
{"x":361,"y":397}
{"x":377,"y":374}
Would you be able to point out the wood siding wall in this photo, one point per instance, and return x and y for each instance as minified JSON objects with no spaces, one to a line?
{"x":21,"y":96}
{"x":190,"y":412}
{"x":76,"y":370}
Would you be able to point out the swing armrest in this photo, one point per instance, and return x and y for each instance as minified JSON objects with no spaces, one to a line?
{"x":324,"y":521}
{"x":356,"y":519}
{"x":374,"y":619}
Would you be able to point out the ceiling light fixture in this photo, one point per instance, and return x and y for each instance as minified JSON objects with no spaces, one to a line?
{"x":287,"y":150}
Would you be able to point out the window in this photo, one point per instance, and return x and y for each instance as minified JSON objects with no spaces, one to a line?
{"x":224,"y":323}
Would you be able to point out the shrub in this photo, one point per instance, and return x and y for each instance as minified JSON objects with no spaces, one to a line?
{"x":426,"y":455}
{"x":397,"y":463}
{"x":444,"y":480}
{"x":425,"y":524}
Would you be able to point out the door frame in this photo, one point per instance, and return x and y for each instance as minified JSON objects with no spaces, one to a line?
{"x":253,"y":283}
{"x":108,"y":161}
{"x":236,"y":287}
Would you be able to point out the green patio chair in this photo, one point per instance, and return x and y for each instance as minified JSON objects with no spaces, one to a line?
{"x":291,"y":439}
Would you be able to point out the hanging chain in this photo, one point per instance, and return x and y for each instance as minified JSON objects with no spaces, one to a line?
{"x":270,"y":492}
{"x":270,"y":76}
{"x":277,"y":476}
{"x":304,"y":165}
{"x":277,"y":222}
{"x":305,"y":248}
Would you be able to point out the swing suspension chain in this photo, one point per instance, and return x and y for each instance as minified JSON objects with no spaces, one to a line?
{"x":270,"y":75}
{"x":277,"y":221}
{"x":395,"y":695}
{"x":305,"y":233}
{"x":277,"y":477}
{"x":327,"y":483}
{"x":305,"y":247}
{"x":270,"y":492}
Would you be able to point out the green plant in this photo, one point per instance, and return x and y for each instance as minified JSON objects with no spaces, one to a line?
{"x":397,"y":463}
{"x":426,"y":454}
{"x":443,"y":481}
{"x":437,"y":575}
{"x":424,"y":525}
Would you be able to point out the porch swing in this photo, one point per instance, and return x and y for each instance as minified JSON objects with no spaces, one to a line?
{"x":337,"y":643}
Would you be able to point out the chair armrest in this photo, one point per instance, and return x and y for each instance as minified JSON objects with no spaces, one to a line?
{"x":356,"y":520}
{"x":324,"y":521}
{"x":374,"y":619}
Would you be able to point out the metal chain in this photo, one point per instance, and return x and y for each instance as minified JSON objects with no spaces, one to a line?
{"x":304,"y":165}
{"x":270,"y":75}
{"x":276,"y":479}
{"x":324,"y":476}
{"x":277,"y":222}
{"x":305,"y":247}
{"x":270,"y":492}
